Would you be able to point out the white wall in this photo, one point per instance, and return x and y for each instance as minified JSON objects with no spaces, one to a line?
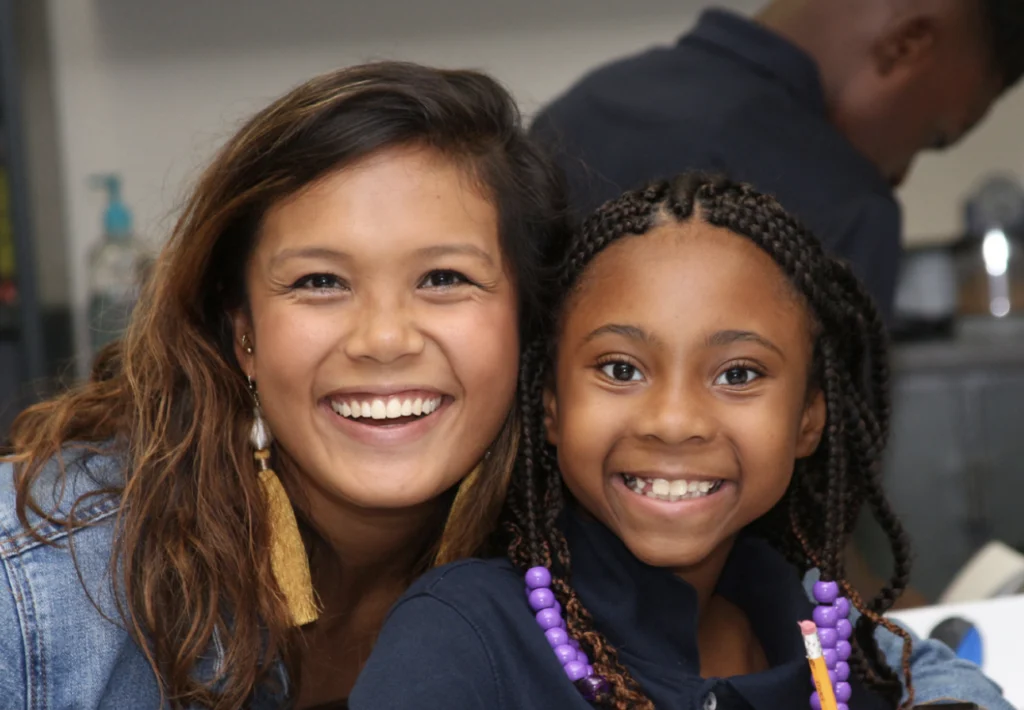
{"x":151,"y":88}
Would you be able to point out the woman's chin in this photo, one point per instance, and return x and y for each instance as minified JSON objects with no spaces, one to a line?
{"x":392,"y":492}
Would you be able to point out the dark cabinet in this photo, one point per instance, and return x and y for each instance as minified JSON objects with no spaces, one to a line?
{"x":955,"y":466}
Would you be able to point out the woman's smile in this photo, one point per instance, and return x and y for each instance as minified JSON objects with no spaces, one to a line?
{"x":387,"y":416}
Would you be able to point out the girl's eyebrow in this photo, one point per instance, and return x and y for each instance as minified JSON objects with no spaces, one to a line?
{"x":728,"y":337}
{"x":626,"y":331}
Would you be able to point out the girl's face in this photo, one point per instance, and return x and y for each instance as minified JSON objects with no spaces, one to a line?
{"x":384,"y":324}
{"x":681,"y":398}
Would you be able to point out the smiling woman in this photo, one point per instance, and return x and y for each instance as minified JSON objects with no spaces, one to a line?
{"x":370,"y":310}
{"x":341,"y":302}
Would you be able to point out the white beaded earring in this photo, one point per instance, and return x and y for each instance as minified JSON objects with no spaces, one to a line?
{"x":288,"y":558}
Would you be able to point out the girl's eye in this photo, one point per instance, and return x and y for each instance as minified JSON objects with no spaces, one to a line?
{"x":621,"y":371}
{"x":737,"y":377}
{"x":318,"y":282}
{"x":443,"y":278}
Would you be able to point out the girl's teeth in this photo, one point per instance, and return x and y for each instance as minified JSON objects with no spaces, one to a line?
{"x":391,"y":408}
{"x":663,"y":489}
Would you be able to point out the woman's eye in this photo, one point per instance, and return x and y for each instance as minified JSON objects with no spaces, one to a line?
{"x":318,"y":282}
{"x":621,"y":372}
{"x":443,"y":278}
{"x":737,"y":377}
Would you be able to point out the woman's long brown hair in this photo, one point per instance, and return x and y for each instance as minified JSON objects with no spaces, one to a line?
{"x":191,"y":543}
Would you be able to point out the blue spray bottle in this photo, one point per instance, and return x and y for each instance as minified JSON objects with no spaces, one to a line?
{"x":115,"y":268}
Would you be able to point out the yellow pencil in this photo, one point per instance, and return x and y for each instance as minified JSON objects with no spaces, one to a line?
{"x":819,"y":671}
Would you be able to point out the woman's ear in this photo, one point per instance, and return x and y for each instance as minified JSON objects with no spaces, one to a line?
{"x":812,"y":424}
{"x":551,"y":415}
{"x":242,"y":337}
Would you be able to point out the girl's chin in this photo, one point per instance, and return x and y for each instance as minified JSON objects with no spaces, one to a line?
{"x":666,"y":551}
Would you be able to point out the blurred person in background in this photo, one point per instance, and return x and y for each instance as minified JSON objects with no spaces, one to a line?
{"x":822,"y":103}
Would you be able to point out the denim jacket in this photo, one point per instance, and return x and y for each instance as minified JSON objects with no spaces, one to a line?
{"x":58,"y":651}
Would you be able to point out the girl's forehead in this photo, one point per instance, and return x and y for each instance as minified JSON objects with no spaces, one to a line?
{"x":692,"y":256}
{"x":682,"y":283}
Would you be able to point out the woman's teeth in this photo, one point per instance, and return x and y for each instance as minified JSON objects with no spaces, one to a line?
{"x":671,"y":491}
{"x":390,"y":408}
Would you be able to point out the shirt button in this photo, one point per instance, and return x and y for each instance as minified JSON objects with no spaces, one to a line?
{"x":710,"y":701}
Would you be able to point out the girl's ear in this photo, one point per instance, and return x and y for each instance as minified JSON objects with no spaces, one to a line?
{"x":551,"y":415}
{"x":812,"y":424}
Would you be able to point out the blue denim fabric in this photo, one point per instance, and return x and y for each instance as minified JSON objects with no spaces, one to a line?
{"x":57,"y":651}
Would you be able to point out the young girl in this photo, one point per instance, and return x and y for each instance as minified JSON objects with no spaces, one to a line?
{"x":714,"y":400}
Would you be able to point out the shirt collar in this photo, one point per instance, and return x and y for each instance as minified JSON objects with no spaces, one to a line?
{"x":651,"y":613}
{"x":763,"y":51}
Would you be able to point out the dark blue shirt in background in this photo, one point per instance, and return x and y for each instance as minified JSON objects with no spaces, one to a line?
{"x":736,"y":98}
{"x":464,"y":636}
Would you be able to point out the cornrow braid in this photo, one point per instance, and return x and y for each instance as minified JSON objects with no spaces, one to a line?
{"x":819,"y":510}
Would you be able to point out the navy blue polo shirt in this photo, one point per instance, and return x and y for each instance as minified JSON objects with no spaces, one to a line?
{"x":732,"y":97}
{"x":463,"y":636}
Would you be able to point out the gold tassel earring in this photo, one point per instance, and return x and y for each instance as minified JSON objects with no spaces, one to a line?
{"x":288,"y":558}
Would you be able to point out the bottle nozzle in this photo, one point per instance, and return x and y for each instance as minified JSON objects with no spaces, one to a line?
{"x":117,"y":219}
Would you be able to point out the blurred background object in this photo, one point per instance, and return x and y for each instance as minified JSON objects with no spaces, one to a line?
{"x":35,"y":309}
{"x":148,"y":90}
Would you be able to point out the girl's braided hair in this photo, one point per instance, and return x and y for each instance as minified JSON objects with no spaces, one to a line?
{"x":817,"y":514}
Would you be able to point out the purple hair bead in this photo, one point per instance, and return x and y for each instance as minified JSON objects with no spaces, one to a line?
{"x":815,"y":701}
{"x":842,"y":607}
{"x":825,"y":617}
{"x":843,"y":650}
{"x":592,"y":687}
{"x":537,"y":577}
{"x":541,"y":598}
{"x":826,"y":592}
{"x":565,"y":653}
{"x":828,"y":637}
{"x":557,"y":637}
{"x":575,"y":670}
{"x":842,"y":671}
{"x":842,"y":706}
{"x":548,"y":619}
{"x":831,"y":658}
{"x":567,"y":650}
{"x":843,"y":692}
{"x":845,"y":629}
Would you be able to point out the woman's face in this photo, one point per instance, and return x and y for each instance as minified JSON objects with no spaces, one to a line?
{"x":384,"y":329}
